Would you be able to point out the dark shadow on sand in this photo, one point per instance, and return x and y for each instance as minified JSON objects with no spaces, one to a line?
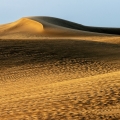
{"x":20,"y":52}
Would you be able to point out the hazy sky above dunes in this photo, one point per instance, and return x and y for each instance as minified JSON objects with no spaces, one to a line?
{"x":87,"y":12}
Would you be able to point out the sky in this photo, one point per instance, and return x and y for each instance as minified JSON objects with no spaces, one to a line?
{"x":101,"y":13}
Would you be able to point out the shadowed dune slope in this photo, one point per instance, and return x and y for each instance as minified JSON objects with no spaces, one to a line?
{"x":50,"y":27}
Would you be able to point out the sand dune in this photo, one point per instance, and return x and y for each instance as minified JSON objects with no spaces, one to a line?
{"x":52,"y":69}
{"x":36,"y":27}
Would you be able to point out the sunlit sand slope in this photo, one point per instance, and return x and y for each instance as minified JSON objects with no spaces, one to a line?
{"x":59,"y":79}
{"x":23,"y":26}
{"x":96,"y":97}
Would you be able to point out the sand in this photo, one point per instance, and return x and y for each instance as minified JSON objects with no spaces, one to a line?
{"x":52,"y":69}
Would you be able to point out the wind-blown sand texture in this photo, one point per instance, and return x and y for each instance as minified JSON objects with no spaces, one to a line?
{"x":52,"y":69}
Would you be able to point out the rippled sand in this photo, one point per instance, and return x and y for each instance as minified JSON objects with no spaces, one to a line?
{"x":60,"y":79}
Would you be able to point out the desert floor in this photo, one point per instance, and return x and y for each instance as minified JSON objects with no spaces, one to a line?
{"x":59,"y":79}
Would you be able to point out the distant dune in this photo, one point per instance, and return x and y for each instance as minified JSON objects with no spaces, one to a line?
{"x":53,"y":69}
{"x":50,"y":27}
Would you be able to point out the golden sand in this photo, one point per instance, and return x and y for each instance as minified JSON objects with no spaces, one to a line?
{"x":50,"y":71}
